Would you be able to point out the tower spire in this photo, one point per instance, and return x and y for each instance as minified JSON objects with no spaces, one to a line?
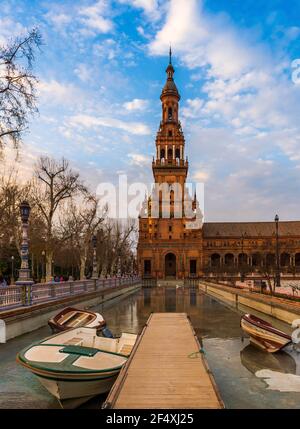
{"x":170,"y":55}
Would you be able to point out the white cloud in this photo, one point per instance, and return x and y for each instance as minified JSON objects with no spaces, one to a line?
{"x":59,"y":18}
{"x":150,"y":7}
{"x":54,"y":92}
{"x":246,"y":87}
{"x":95,"y":17}
{"x":83,"y":72}
{"x":88,"y":121}
{"x":193,"y":108}
{"x":139,"y":159}
{"x":136,"y":104}
{"x":9,"y":29}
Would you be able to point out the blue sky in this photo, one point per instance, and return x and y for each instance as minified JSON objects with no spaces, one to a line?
{"x":101,"y":71}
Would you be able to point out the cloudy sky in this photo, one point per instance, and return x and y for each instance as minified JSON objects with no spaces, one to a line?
{"x":101,"y":71}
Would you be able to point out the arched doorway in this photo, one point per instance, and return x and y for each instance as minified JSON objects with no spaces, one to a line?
{"x":215,"y":260}
{"x":170,"y":265}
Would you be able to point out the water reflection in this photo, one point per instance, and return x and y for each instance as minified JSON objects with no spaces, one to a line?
{"x":254,"y":360}
{"x":232,"y":361}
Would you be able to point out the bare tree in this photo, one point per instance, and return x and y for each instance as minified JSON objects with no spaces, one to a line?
{"x":78,"y":226}
{"x":55,"y":183}
{"x":11,"y":195}
{"x":17,"y":86}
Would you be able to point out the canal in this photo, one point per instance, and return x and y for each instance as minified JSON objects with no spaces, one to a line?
{"x":241,"y":371}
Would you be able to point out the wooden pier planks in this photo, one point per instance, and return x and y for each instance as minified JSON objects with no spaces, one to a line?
{"x":165,"y":369}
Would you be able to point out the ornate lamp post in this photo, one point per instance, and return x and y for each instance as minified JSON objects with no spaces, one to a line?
{"x":12,"y":270}
{"x":95,"y":271}
{"x":277,"y":276}
{"x":43,"y":264}
{"x":119,"y":264}
{"x":24,"y":272}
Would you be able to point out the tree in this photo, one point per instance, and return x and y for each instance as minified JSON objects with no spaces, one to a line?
{"x":78,"y":226}
{"x":17,"y":86}
{"x":55,"y":183}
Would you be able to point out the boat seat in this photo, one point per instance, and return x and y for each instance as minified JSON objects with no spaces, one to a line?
{"x":126,"y":349}
{"x":63,"y":319}
{"x":75,"y":341}
{"x":79,"y":320}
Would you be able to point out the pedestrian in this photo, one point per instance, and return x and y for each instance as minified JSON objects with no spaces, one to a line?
{"x":3,"y":282}
{"x":61,"y":279}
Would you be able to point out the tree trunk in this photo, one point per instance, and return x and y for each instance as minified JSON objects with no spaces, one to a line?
{"x":82,"y":267}
{"x":49,"y":258}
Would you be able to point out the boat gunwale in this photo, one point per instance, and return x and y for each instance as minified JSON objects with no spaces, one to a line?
{"x":22,"y":359}
{"x":54,"y":324}
{"x":270,"y":328}
{"x":80,"y":371}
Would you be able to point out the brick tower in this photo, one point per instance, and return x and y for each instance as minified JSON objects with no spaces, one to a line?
{"x":170,"y":242}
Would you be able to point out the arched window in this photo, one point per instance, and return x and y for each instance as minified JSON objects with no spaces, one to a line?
{"x":270,"y":260}
{"x":170,"y":153}
{"x":170,"y":113}
{"x":285,"y":259}
{"x":229,"y":259}
{"x":170,"y":133}
{"x":162,"y":154}
{"x":243,"y":259}
{"x":256,"y":259}
{"x":215,"y":260}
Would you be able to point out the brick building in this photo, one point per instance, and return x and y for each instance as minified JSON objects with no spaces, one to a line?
{"x":178,"y":245}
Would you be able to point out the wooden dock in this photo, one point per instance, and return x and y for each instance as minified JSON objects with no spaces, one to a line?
{"x":166,"y":369}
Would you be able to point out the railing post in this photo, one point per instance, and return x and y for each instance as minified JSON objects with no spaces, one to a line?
{"x":28,"y":295}
{"x":23,"y":293}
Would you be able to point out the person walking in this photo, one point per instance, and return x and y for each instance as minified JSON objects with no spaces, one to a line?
{"x":3,"y":282}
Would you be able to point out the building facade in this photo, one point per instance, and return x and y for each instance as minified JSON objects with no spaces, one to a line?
{"x":173,"y":242}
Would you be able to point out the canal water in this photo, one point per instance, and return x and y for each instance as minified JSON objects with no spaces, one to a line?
{"x":245,"y":376}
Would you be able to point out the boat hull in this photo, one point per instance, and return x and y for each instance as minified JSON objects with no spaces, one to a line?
{"x":73,"y":393}
{"x":264,"y":338}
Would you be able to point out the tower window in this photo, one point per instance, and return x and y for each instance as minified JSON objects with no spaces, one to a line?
{"x":170,"y":113}
{"x":170,"y":133}
{"x":170,"y":228}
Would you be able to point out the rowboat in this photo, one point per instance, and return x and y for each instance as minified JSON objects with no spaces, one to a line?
{"x":74,"y":318}
{"x":77,"y":364}
{"x":263,"y":334}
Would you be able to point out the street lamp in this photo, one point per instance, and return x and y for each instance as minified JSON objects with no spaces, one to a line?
{"x":24,"y":272}
{"x":12,"y":270}
{"x":277,"y":276}
{"x":43,"y":264}
{"x":95,"y":271}
{"x":119,"y":264}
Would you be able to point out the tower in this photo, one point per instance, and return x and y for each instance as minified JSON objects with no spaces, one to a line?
{"x":170,"y":139}
{"x":168,"y":246}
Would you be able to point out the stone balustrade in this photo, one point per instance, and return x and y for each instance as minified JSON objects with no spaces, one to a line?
{"x":19,"y":296}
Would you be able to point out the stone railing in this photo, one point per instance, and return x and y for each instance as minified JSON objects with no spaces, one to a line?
{"x":18,"y":296}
